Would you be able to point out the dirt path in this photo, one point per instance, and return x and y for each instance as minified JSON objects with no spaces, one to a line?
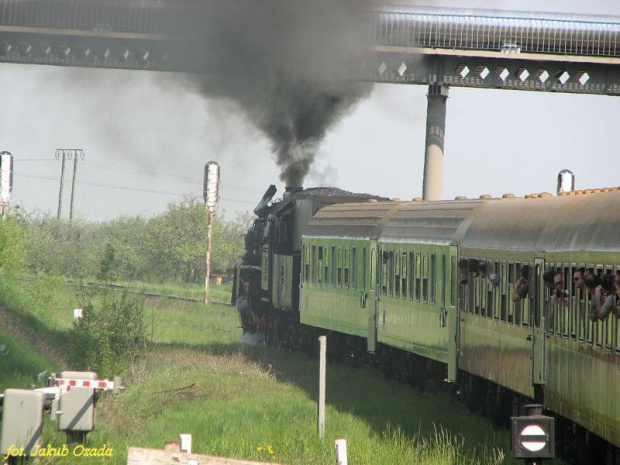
{"x":28,"y":335}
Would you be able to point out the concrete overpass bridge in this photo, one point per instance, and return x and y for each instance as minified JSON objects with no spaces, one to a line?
{"x":440,"y":48}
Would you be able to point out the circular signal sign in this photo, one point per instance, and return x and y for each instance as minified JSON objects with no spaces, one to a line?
{"x":533,"y":438}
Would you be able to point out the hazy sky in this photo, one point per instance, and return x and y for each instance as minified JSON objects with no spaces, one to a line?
{"x":147,"y":136}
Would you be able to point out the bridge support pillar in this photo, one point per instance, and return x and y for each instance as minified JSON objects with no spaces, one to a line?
{"x":435,"y":130}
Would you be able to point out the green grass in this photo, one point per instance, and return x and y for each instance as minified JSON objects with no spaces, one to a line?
{"x":19,"y":362}
{"x":258,"y":403}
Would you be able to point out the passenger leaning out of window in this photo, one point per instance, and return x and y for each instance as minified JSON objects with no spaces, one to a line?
{"x":592,"y":284}
{"x":617,"y":290}
{"x":607,"y":291}
{"x":521,"y":287}
{"x":463,"y":271}
{"x":578,"y":280}
{"x":559,"y":293}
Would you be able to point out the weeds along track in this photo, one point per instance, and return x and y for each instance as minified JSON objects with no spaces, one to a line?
{"x":116,"y":287}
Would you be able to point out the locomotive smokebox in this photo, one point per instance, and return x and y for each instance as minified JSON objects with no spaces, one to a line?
{"x":292,"y":190}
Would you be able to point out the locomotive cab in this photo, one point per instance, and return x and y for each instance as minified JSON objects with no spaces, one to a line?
{"x":246,"y":296}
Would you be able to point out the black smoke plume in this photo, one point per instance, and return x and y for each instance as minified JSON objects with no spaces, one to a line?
{"x":289,"y":65}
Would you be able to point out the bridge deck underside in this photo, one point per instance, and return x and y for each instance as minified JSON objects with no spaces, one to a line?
{"x":144,"y":52}
{"x":405,"y":47}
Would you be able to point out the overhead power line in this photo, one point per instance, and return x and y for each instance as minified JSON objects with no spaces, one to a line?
{"x":120,"y":168}
{"x":117,"y":187}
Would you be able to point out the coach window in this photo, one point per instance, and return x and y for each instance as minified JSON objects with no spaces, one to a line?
{"x":454,"y":284}
{"x":555,"y":311}
{"x":339,"y":272}
{"x":471,"y":290}
{"x":425,"y":277}
{"x":610,"y":322}
{"x":567,"y":307}
{"x":514,"y":271}
{"x":491,"y":307}
{"x":373,"y":267}
{"x":533,"y":315}
{"x":561,"y":315}
{"x":304,"y":252}
{"x":573,"y":301}
{"x":383,"y":272}
{"x":364,"y":282}
{"x":411,"y":274}
{"x":346,"y":264}
{"x":325,"y":268}
{"x":600,"y":325}
{"x":390,"y":267}
{"x":418,"y":276}
{"x":591,"y":326}
{"x":579,"y":297}
{"x":332,"y":266}
{"x":353,"y":268}
{"x":482,"y":294}
{"x":397,"y":274}
{"x":476,"y":286}
{"x":504,"y":293}
{"x":403,"y":274}
{"x":319,"y":270}
{"x":433,"y":277}
{"x":616,"y":320}
{"x":313,"y":270}
{"x":528,"y":304}
{"x":442,"y":296}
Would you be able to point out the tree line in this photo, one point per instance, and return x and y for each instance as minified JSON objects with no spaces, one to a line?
{"x":169,"y":247}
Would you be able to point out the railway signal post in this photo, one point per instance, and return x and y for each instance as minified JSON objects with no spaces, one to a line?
{"x":210,"y":193}
{"x":532,"y":436}
{"x":6,"y":181}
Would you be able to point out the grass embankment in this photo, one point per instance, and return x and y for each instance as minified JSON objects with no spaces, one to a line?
{"x":19,"y":362}
{"x":258,"y":403}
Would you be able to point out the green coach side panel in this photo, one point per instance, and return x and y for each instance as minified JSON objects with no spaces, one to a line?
{"x":414,"y":270}
{"x":334,"y":286}
{"x":412,"y":303}
{"x":336,"y":260}
{"x":580,"y":358}
{"x":416,"y":308}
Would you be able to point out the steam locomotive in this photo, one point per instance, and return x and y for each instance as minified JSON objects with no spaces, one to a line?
{"x":427,"y":286}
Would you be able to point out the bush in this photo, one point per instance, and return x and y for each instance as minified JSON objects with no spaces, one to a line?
{"x":110,"y":337}
{"x":12,"y":254}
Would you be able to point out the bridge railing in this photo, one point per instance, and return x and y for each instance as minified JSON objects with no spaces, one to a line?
{"x":148,"y":16}
{"x":506,"y":34}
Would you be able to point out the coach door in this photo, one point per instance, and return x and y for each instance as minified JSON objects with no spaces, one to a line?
{"x":371,"y":298}
{"x":453,"y":315}
{"x":538,"y":324}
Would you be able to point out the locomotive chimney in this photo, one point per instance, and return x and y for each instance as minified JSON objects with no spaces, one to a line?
{"x":289,"y":190}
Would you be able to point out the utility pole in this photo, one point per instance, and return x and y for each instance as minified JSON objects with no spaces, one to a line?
{"x":64,"y":154}
{"x":60,"y":153}
{"x":210,"y":193}
{"x":77,"y":153}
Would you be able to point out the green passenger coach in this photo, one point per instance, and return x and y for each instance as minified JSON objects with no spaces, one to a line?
{"x":484,"y":293}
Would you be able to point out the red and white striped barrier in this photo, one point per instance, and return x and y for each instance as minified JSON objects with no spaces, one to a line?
{"x":66,"y":384}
